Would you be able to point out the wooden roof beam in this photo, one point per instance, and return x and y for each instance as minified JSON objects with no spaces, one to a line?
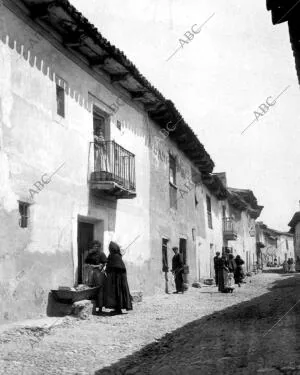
{"x":137,"y":95}
{"x":153,"y":107}
{"x":98,"y":61}
{"x":40,"y":10}
{"x":119,"y":77}
{"x":75,"y":40}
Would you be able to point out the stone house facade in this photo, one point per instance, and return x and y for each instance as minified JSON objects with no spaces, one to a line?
{"x":63,"y":86}
{"x":90,"y":150}
{"x":273,"y":244}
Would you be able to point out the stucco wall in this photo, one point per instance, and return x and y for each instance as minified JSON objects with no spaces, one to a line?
{"x":35,"y":141}
{"x":167,"y":222}
{"x":210,"y":240}
{"x":285,"y":248}
{"x":245,"y":244}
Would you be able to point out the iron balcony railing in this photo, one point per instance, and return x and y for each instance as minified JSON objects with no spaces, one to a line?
{"x":229,"y":225}
{"x":112,"y":163}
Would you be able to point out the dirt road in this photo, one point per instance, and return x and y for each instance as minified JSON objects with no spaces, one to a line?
{"x":200,"y":332}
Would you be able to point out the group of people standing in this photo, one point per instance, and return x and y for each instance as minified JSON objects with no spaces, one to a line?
{"x":289,"y":265}
{"x":109,"y":273}
{"x":228,"y":271}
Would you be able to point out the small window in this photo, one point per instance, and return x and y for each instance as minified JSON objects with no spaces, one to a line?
{"x":194,"y":234}
{"x":224,"y":212}
{"x":172,"y":182}
{"x":209,"y":216}
{"x":172,"y":167}
{"x":60,"y":100}
{"x":24,"y":214}
{"x":119,"y":125}
{"x":287,"y":244}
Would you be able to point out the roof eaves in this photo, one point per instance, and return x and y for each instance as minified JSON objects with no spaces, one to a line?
{"x":120,"y":57}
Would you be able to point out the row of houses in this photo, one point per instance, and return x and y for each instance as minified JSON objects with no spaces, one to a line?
{"x":90,"y":150}
{"x":273,"y":246}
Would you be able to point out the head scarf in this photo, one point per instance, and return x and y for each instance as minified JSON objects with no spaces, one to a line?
{"x":114,"y":248}
{"x":114,"y":259}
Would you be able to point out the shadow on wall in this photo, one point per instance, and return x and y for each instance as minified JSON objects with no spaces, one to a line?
{"x":45,"y":66}
{"x":216,"y":344}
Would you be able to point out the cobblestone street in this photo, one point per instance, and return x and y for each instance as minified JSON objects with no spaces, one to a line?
{"x":200,"y":332}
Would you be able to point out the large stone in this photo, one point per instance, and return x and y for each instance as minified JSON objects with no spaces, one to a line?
{"x":208,"y":281}
{"x":136,"y":296}
{"x":196,"y":285}
{"x":83,"y":309}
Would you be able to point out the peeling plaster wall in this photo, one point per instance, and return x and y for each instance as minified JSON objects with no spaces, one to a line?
{"x":35,"y":141}
{"x":245,"y":244}
{"x":167,"y":222}
{"x":211,"y":240}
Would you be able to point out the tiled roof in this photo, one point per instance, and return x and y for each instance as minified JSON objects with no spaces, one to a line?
{"x":83,"y":38}
{"x":244,"y":199}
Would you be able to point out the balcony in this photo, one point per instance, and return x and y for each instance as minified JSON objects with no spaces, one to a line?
{"x":229,"y":229}
{"x":113,"y":170}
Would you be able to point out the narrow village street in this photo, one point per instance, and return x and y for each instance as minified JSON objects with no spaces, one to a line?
{"x":200,"y":332}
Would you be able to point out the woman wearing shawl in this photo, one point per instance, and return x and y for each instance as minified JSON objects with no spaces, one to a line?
{"x":231,"y":263}
{"x":117,"y":295}
{"x":95,"y":263}
{"x":239,"y":272}
{"x":285,"y":266}
{"x":222,"y":266}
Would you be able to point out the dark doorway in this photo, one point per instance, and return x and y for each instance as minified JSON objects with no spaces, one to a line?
{"x":85,"y":236}
{"x":182,"y":249}
{"x":165,"y":263}
{"x":99,"y":123}
{"x":211,"y":257}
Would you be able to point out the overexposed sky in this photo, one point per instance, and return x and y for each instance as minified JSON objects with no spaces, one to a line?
{"x":217,"y":81}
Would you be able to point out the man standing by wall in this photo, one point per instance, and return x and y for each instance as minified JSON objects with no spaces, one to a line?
{"x":216,"y":267}
{"x":177,"y":270}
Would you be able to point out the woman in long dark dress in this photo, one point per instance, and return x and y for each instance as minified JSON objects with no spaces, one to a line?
{"x":239,"y":272}
{"x":231,"y":263}
{"x":116,"y":291}
{"x":95,"y":262}
{"x":222,"y":266}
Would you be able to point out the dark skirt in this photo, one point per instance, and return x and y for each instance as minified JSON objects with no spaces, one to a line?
{"x":239,"y":275}
{"x":222,"y":279}
{"x":116,"y":291}
{"x":94,"y":277}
